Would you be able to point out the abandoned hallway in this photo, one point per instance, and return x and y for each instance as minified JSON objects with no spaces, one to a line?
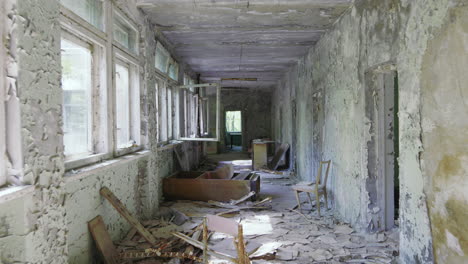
{"x":224,"y":114}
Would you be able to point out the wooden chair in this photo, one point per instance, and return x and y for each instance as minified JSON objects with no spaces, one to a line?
{"x":319,"y":188}
{"x":226,"y":226}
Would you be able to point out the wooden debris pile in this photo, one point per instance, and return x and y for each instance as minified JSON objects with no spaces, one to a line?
{"x":158,"y":240}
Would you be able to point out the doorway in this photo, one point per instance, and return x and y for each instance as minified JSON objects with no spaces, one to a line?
{"x":382,"y":183}
{"x":233,"y":130}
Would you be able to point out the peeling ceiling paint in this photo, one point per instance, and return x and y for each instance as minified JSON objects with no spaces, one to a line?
{"x":243,"y":39}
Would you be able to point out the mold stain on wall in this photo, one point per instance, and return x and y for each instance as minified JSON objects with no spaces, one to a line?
{"x":445,"y":133}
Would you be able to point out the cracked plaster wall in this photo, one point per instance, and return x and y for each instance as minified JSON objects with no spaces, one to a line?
{"x":47,"y":221}
{"x":329,"y":107}
{"x":445,"y":133}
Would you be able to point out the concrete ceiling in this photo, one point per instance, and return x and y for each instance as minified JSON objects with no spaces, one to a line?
{"x":243,"y":39}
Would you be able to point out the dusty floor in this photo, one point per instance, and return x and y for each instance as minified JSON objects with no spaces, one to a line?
{"x":294,"y":238}
{"x":278,"y":234}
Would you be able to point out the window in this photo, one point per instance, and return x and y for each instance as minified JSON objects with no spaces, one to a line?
{"x":89,"y":10}
{"x":233,"y":121}
{"x":125,"y":34}
{"x":84,"y":107}
{"x":88,"y":67}
{"x":162,"y":110}
{"x":122,"y":105}
{"x":165,"y":64}
{"x":127,"y":105}
{"x":76,"y":85}
{"x":166,"y":110}
{"x":169,"y":113}
{"x":174,"y":70}
{"x":162,"y":58}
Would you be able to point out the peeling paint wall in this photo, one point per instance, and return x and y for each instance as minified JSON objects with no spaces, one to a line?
{"x":46,"y":222}
{"x":445,"y":136}
{"x":324,"y":94}
{"x":256,"y":114}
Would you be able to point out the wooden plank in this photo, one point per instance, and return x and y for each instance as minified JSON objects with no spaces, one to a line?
{"x":273,"y":165}
{"x":103,"y":241}
{"x":205,"y":189}
{"x":241,"y":176}
{"x":126,"y":214}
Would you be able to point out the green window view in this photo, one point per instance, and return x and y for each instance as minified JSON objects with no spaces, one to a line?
{"x":233,"y":121}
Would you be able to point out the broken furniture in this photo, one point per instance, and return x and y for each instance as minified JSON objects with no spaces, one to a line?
{"x":223,"y":225}
{"x":154,"y":238}
{"x":319,"y":188}
{"x":219,"y":185}
{"x":260,"y":153}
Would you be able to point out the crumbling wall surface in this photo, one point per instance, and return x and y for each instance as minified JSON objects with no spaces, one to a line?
{"x":46,"y":222}
{"x":256,"y":113}
{"x":444,"y":90}
{"x":83,"y":202}
{"x":14,"y":227}
{"x":37,"y":53}
{"x":389,"y":32}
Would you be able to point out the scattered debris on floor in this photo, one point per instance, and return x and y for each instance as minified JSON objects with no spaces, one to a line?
{"x":273,"y":232}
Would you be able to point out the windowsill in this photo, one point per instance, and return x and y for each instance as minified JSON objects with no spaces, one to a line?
{"x":128,"y":150}
{"x":86,"y":161}
{"x":14,"y":192}
{"x":83,"y":172}
{"x":162,"y":146}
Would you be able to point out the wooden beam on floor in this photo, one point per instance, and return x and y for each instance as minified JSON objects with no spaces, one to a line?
{"x":126,"y":214}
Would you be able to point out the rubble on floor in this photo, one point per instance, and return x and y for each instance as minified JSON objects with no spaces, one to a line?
{"x":279,"y":235}
{"x":274,"y":232}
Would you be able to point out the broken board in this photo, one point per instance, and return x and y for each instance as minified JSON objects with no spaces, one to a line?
{"x":103,"y":241}
{"x":273,"y":165}
{"x":126,"y":214}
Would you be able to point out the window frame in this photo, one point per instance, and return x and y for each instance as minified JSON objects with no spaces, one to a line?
{"x":68,"y":16}
{"x":91,"y":120}
{"x":216,"y":86}
{"x":125,"y":58}
{"x":170,"y":62}
{"x":110,"y":51}
{"x":167,"y":112}
{"x":72,"y":31}
{"x":160,"y":49}
{"x":119,"y":16}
